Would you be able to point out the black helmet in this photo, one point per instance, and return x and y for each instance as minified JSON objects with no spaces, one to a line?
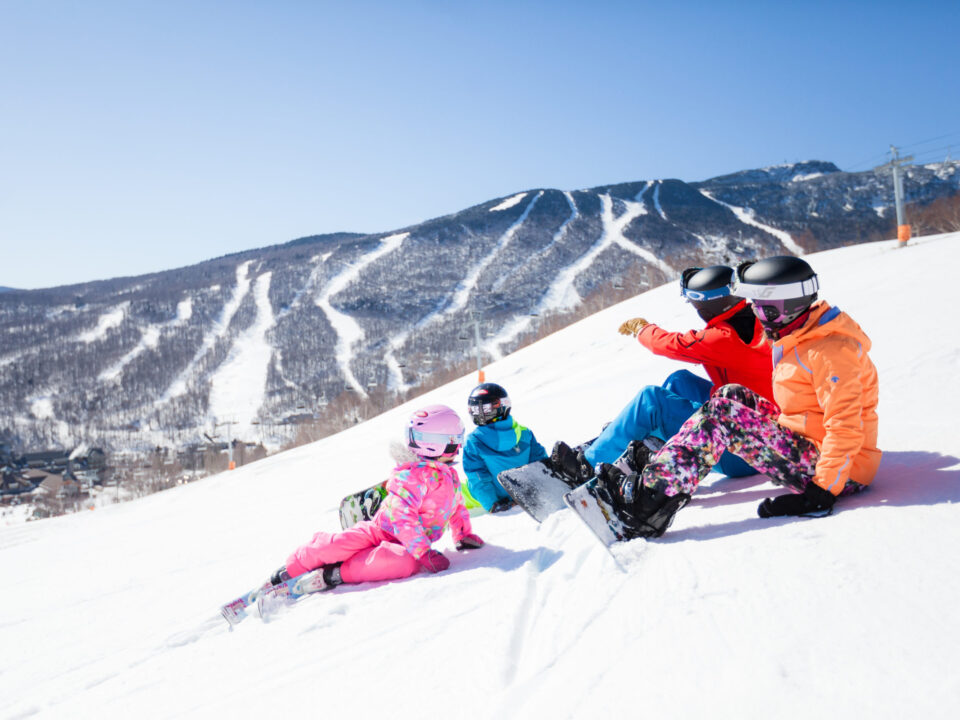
{"x":708,"y":290}
{"x":488,"y":403}
{"x":780,"y":289}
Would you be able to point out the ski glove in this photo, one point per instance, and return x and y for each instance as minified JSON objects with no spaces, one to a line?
{"x":470,"y":542}
{"x":632,"y":326}
{"x":501,"y":505}
{"x":434,"y":561}
{"x":814,"y":501}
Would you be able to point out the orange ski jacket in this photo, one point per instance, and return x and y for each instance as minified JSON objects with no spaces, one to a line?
{"x":827,"y":390}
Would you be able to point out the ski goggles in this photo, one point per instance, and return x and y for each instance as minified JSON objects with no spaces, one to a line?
{"x":419,"y":436}
{"x":486,"y":411}
{"x":773,"y":312}
{"x":699,"y":295}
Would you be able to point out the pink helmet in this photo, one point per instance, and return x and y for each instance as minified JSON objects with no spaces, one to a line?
{"x":434,"y":431}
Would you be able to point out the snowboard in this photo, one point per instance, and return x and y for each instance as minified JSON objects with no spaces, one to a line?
{"x":362,"y":505}
{"x":596,"y":513}
{"x":536,"y":487}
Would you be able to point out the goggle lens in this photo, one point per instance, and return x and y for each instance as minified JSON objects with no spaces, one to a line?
{"x":770,"y":311}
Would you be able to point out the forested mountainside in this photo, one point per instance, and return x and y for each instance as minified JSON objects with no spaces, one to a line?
{"x":324,"y":324}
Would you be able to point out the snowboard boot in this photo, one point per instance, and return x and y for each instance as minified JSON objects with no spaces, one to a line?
{"x":642,"y":511}
{"x":571,"y":463}
{"x":638,"y":453}
{"x":651,"y":511}
{"x":608,"y":488}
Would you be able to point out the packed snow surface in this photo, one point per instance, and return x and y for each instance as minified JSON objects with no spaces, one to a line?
{"x":113,"y":613}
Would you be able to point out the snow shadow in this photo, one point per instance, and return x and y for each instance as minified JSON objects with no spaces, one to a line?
{"x":905,"y":478}
{"x":505,"y":559}
{"x":912,"y":477}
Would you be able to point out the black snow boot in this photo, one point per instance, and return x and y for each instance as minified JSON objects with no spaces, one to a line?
{"x":331,"y":575}
{"x":651,"y":511}
{"x":643,"y":512}
{"x":280,"y":576}
{"x":570,"y":463}
{"x":638,"y":454}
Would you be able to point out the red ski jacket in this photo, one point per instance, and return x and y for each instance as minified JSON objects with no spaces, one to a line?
{"x":725,"y":357}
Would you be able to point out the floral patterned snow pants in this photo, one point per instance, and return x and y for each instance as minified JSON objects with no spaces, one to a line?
{"x":741,"y":421}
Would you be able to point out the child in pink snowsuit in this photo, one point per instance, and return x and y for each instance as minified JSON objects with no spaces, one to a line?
{"x":423,"y":497}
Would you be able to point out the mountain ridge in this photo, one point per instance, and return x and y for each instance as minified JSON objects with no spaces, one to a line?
{"x":343,"y":320}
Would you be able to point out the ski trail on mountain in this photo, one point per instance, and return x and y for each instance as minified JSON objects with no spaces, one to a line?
{"x":347,"y":329}
{"x":306,"y":288}
{"x":107,"y":322}
{"x":562,"y":294}
{"x":561,"y":231}
{"x":551,"y":299}
{"x":179,"y":386}
{"x":748,"y":217}
{"x":639,"y":196}
{"x":509,"y":202}
{"x":149,"y":337}
{"x":656,"y":201}
{"x":239,"y":385}
{"x":462,"y":292}
{"x":460,"y":295}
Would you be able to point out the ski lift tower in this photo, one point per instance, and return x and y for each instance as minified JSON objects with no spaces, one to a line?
{"x":903,"y":229}
{"x":229,"y":425}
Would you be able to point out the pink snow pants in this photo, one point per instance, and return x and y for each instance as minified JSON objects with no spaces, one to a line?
{"x":367,"y":552}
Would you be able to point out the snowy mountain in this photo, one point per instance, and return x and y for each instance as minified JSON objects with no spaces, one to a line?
{"x":338,"y":325}
{"x":113,"y":613}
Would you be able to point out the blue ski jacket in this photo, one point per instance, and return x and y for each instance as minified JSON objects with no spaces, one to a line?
{"x":493,"y":448}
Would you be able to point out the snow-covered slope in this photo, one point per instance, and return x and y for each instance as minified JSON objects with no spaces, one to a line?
{"x":113,"y":613}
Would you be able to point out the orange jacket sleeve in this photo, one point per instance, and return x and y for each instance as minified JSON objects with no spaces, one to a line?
{"x":835,"y":366}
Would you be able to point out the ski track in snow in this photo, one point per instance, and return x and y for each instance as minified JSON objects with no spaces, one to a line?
{"x":562,"y":294}
{"x":149,"y":338}
{"x":239,"y":385}
{"x":747,"y":216}
{"x":179,"y":386}
{"x":347,"y":329}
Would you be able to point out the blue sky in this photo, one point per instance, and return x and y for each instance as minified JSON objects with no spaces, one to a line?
{"x":144,"y":136}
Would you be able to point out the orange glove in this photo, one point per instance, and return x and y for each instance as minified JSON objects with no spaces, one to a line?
{"x":632,"y":326}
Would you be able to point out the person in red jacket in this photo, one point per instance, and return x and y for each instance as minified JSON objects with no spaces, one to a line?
{"x":731,"y":348}
{"x":819,"y":439}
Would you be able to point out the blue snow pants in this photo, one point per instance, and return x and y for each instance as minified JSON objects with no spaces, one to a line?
{"x":660,"y":410}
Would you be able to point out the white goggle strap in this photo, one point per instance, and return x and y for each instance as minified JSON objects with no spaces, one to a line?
{"x":776,"y":292}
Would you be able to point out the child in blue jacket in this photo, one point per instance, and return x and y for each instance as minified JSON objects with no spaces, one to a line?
{"x":499,"y":443}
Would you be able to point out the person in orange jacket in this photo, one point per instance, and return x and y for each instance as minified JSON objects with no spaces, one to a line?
{"x":821,"y":442}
